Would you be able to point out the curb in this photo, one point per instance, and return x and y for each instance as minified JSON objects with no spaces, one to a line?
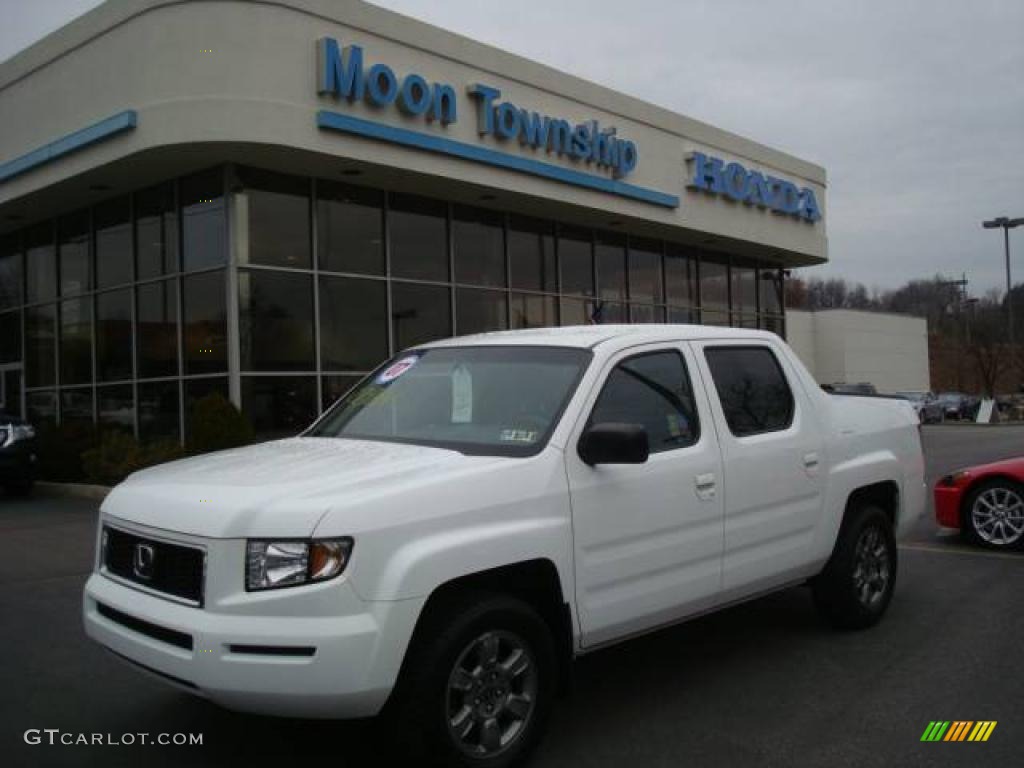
{"x":75,"y":490}
{"x":976,"y":424}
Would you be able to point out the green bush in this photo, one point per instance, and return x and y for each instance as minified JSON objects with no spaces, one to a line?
{"x":118,"y":454}
{"x":215,"y":424}
{"x":60,"y":451}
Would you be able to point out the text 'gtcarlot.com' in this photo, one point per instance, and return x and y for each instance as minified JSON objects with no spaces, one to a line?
{"x":55,"y":736}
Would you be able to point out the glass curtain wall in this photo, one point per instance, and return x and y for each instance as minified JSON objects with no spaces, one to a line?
{"x":119,"y":313}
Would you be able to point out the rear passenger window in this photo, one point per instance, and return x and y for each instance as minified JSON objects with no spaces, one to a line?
{"x":652,"y":390}
{"x":752,"y":389}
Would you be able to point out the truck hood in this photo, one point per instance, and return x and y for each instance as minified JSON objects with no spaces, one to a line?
{"x":280,"y":488}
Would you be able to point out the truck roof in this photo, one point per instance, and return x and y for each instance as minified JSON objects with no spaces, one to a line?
{"x":589,"y":336}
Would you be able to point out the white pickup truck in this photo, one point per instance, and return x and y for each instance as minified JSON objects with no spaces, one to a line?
{"x":446,"y":539}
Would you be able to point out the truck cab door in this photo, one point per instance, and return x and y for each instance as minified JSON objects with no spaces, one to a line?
{"x":775,"y":463}
{"x":647,"y":537}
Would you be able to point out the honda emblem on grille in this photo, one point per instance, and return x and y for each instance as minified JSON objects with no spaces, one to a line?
{"x":142,"y":562}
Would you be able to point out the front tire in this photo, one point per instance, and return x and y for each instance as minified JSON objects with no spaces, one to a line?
{"x":993,"y":515}
{"x":478,"y":685}
{"x":854,"y":589}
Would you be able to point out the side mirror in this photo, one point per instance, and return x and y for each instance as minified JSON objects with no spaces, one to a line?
{"x":614,"y":443}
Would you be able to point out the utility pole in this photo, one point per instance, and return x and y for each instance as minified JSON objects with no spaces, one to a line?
{"x":1006,"y":224}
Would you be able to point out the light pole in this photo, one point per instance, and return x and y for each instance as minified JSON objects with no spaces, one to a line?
{"x":1006,"y":224}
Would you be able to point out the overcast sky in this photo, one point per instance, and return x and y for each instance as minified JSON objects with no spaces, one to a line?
{"x":916,"y":109}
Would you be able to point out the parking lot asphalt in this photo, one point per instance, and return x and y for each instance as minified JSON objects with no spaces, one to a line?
{"x":761,"y":684}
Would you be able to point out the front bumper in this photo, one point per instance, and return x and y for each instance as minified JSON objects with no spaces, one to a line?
{"x":947,"y":505}
{"x":340,"y":663}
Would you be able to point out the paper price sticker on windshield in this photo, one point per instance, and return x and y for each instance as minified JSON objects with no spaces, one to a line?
{"x":518,"y":435}
{"x":396,"y":369}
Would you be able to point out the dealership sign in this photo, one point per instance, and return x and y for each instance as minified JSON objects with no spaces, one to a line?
{"x":735,"y":182}
{"x":343,"y":74}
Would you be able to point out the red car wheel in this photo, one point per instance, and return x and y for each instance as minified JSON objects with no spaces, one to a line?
{"x":994,"y":514}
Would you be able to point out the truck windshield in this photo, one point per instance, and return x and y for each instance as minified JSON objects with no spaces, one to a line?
{"x":500,"y":401}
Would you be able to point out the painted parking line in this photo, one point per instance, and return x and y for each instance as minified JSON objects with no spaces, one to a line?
{"x":958,"y":551}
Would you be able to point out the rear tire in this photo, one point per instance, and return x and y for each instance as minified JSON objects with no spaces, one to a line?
{"x":854,"y":589}
{"x":477,"y":686}
{"x":993,"y":515}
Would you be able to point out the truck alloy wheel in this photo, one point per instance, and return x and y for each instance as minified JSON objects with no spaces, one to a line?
{"x":492,"y":690}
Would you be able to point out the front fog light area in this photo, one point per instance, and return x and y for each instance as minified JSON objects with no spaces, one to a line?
{"x":274,"y":564}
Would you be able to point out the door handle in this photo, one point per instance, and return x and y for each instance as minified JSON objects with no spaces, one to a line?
{"x":705,"y":485}
{"x":811,"y":461}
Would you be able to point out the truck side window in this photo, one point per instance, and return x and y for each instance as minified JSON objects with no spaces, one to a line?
{"x":652,"y":390}
{"x":752,"y":389}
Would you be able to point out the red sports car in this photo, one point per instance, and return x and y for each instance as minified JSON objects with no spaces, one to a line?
{"x":986,"y":502}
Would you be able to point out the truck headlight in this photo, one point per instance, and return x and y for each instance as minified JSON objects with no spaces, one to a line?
{"x":289,"y":563}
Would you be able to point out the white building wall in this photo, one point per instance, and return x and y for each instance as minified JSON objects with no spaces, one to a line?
{"x":889,"y":351}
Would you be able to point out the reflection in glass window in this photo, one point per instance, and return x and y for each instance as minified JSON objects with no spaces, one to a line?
{"x":610,"y":254}
{"x":274,"y":209}
{"x":156,"y":231}
{"x":196,"y":390}
{"x":680,"y":276}
{"x":205,"y":323}
{"x":40,"y":263}
{"x":714,"y":285}
{"x":418,"y":230}
{"x":771,"y":285}
{"x":76,"y":406}
{"x":529,"y":310}
{"x":776,"y":325}
{"x":114,"y":335}
{"x":279,"y":406}
{"x":76,"y":341}
{"x":40,"y":345}
{"x":644,"y":313}
{"x":575,"y":311}
{"x":711,"y":317}
{"x":531,"y":254}
{"x":275,"y":321}
{"x":684,"y":316}
{"x":10,"y":271}
{"x":73,"y":252}
{"x":419,"y":313}
{"x":334,"y":387}
{"x":652,"y":390}
{"x":41,"y":408}
{"x":158,"y":329}
{"x":645,"y":271}
{"x":478,"y":241}
{"x":115,"y":407}
{"x":350,"y":228}
{"x":203,"y":228}
{"x":353,"y":323}
{"x":609,"y":312}
{"x":10,"y":337}
{"x":576,"y":261}
{"x":752,"y":389}
{"x":480,"y":311}
{"x":158,"y":410}
{"x":112,"y":223}
{"x":744,"y":289}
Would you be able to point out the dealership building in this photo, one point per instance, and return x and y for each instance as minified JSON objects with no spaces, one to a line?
{"x":267,"y":199}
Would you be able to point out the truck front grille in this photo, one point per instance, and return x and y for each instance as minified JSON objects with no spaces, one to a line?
{"x":172,"y":569}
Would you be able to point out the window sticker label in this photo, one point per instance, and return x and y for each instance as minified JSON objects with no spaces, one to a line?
{"x":396,"y":369}
{"x":462,"y":396}
{"x":518,"y":436}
